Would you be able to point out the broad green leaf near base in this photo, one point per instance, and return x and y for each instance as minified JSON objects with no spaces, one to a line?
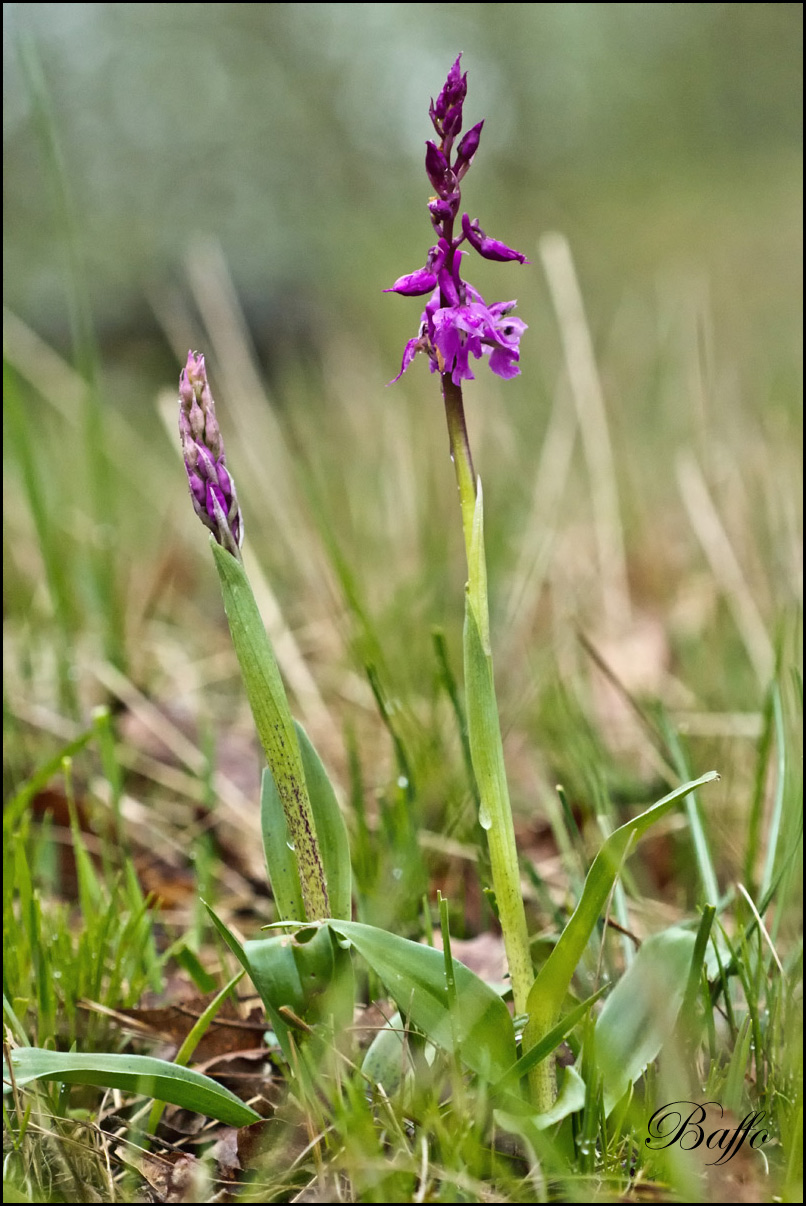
{"x":518,"y":1118}
{"x":641,"y":1012}
{"x":314,"y":977}
{"x":140,"y":1074}
{"x":387,"y":1059}
{"x":414,"y":975}
{"x":278,"y":1025}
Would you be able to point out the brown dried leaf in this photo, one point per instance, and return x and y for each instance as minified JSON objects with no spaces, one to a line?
{"x":51,"y":804}
{"x":173,"y":1176}
{"x":483,"y":954}
{"x":225,"y":1153}
{"x":249,"y":1074}
{"x":170,"y":886}
{"x":229,"y":1031}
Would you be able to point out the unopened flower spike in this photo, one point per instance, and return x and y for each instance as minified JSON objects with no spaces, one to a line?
{"x":212,"y":490}
{"x":457,"y":323}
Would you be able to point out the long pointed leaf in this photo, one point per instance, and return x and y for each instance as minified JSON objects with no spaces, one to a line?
{"x":415,"y":977}
{"x":278,"y":1025}
{"x":551,"y":1041}
{"x":135,"y":1074}
{"x":551,"y":985}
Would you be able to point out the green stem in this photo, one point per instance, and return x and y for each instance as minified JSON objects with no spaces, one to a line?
{"x":275,"y":727}
{"x":460,"y":454}
{"x":486,"y":746}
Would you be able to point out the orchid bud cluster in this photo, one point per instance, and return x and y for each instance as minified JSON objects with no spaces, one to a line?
{"x":211,"y":487}
{"x":457,"y":322}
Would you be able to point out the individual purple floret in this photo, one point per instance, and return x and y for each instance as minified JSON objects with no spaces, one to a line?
{"x":457,"y":323}
{"x":211,"y":487}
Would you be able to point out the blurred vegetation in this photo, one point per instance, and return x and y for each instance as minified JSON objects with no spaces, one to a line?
{"x":266,"y":160}
{"x":262,"y":165}
{"x":658,"y":137}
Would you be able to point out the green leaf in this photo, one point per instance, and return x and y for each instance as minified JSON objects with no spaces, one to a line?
{"x":733,"y":1095}
{"x":570,"y":1100}
{"x":275,"y":973}
{"x":189,"y":961}
{"x":387,"y":1059}
{"x":551,"y":985}
{"x":281,"y":861}
{"x":278,"y":1025}
{"x":551,"y":1041}
{"x":519,"y":1118}
{"x":228,"y":936}
{"x":134,"y":1074}
{"x":415,"y":977}
{"x":640,"y":1013}
{"x":312,"y":977}
{"x":495,"y":812}
{"x":330,"y":829}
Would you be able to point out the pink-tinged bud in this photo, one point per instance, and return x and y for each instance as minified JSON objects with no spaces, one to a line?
{"x":467,"y":149}
{"x":452,"y":123}
{"x":453,"y":93}
{"x":491,"y":249}
{"x":425,"y":279}
{"x":212,"y":490}
{"x":442,"y":210}
{"x":438,"y":170}
{"x":415,"y":284}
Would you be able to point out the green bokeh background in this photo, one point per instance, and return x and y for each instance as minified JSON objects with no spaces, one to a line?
{"x":660,"y":138}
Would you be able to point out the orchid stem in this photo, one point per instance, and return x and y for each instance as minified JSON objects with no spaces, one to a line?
{"x":486,"y":746}
{"x":460,"y":454}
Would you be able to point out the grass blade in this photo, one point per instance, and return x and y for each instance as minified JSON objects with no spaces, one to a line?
{"x":551,"y":985}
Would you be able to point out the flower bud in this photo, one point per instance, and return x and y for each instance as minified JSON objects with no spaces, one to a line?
{"x":491,"y":249}
{"x":212,"y":490}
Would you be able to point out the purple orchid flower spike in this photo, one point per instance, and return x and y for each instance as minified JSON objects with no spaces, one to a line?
{"x":458,"y":327}
{"x":212,"y":490}
{"x":457,"y":323}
